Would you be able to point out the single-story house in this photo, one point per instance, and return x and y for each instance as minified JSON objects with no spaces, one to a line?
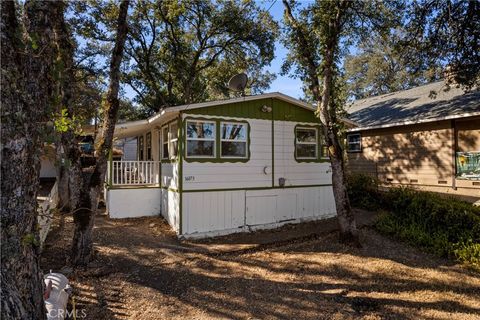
{"x":426,"y":137}
{"x":224,"y":166}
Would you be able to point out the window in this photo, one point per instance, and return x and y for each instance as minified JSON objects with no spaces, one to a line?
{"x":140,"y":148}
{"x":354,"y":142}
{"x":233,"y":138}
{"x":200,"y":139}
{"x":173,"y":140}
{"x":169,"y":141}
{"x":165,"y":142}
{"x":306,"y":143}
{"x":149,"y":145}
{"x":468,"y":165}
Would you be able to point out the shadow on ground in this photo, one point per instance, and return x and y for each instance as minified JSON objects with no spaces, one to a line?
{"x":142,"y":271}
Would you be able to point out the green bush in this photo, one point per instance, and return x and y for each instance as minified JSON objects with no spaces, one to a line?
{"x":363,"y":192}
{"x":444,"y":225}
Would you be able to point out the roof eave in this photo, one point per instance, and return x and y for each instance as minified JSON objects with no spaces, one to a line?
{"x":411,"y":122}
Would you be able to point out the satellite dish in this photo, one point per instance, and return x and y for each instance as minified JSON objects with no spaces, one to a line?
{"x":238,"y":82}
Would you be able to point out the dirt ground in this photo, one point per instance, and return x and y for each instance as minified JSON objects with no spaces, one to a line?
{"x":141,"y":271}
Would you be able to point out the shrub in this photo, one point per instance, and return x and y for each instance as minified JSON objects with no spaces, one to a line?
{"x":363,"y":192}
{"x":444,"y":225}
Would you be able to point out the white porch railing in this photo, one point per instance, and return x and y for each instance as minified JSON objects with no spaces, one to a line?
{"x":124,"y":173}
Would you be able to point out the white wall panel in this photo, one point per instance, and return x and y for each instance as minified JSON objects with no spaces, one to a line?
{"x":223,"y":212}
{"x":132,"y":203}
{"x":169,"y":175}
{"x":170,"y":202}
{"x":212,"y":211}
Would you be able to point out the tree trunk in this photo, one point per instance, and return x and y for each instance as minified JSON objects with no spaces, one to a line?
{"x":94,"y":178}
{"x":69,"y":169}
{"x":26,"y":93}
{"x":328,"y":117}
{"x":326,"y":108}
{"x":62,"y":179}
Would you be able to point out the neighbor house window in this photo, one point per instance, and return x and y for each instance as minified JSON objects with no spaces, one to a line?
{"x":233,"y":138}
{"x":306,"y":143}
{"x":149,"y":145}
{"x":200,"y":139}
{"x":165,"y":142}
{"x":354,"y":142}
{"x":468,"y":165}
{"x":140,"y":148}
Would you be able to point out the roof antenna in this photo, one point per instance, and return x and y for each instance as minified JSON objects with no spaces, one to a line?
{"x":238,"y":83}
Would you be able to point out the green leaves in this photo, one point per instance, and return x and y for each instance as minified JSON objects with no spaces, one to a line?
{"x":64,"y":122}
{"x":185,"y":52}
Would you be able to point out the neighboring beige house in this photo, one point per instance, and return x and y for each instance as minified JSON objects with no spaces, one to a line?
{"x":427,"y":137}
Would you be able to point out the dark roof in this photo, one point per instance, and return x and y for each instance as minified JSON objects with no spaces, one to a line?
{"x":425,"y":103}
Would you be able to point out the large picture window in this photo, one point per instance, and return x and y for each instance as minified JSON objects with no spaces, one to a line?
{"x":233,"y":140}
{"x":354,"y":142}
{"x":200,"y":137}
{"x":306,"y":146}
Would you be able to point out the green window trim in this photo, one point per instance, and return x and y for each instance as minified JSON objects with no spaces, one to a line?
{"x":319,"y":158}
{"x":217,"y":149}
{"x":245,"y":141}
{"x":212,"y":140}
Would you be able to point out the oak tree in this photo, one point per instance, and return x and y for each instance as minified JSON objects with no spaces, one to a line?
{"x":94,"y":177}
{"x":27,"y":90}
{"x":317,"y":36}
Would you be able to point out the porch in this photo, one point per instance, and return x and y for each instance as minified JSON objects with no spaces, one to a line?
{"x":137,"y":173}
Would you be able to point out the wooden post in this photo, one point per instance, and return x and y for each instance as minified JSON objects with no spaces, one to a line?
{"x":110,"y":167}
{"x":454,"y":154}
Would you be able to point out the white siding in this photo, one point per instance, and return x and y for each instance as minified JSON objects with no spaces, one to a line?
{"x":223,"y":212}
{"x":198,"y":176}
{"x":213,"y":211}
{"x":279,"y":205}
{"x":295,"y":173}
{"x":169,"y":175}
{"x":130,"y":203}
{"x":171,"y":208}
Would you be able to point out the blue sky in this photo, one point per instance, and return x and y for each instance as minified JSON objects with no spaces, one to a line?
{"x":283,"y":84}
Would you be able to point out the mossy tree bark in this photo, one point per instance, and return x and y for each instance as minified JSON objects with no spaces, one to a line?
{"x":94,"y":177}
{"x":27,"y":87}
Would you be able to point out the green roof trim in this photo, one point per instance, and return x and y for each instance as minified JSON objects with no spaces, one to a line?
{"x":252,"y":109}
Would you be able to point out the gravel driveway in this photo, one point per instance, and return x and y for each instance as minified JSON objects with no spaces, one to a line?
{"x":141,"y":271}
